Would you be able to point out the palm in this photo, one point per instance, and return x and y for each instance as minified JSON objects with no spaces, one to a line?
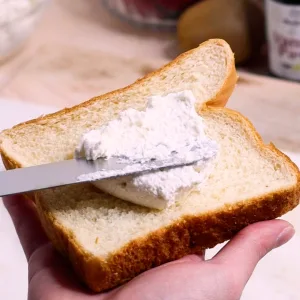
{"x":222,"y":277}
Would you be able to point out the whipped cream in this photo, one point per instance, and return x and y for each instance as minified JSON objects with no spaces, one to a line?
{"x":170,"y":124}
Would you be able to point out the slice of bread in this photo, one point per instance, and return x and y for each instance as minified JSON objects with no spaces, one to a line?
{"x":109,"y":241}
{"x":208,"y":71}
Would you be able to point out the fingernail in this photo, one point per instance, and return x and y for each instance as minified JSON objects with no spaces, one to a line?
{"x":285,"y":235}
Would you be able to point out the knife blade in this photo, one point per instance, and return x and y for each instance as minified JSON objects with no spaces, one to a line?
{"x":80,"y":170}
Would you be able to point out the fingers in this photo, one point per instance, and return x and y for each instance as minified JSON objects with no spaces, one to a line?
{"x":244,"y":251}
{"x":27,"y":225}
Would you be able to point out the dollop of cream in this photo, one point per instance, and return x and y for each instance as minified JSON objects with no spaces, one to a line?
{"x":169,"y":124}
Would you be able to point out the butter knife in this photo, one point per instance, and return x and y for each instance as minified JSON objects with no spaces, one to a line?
{"x":80,"y":170}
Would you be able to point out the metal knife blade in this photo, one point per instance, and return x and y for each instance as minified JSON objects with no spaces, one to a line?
{"x":73,"y":171}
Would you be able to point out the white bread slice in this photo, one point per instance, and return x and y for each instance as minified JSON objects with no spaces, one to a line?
{"x":208,"y":71}
{"x":109,"y":241}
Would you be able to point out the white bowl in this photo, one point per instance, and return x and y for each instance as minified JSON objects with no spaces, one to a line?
{"x":15,"y":31}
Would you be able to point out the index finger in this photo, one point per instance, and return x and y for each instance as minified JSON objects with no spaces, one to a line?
{"x":26,"y":223}
{"x":241,"y":255}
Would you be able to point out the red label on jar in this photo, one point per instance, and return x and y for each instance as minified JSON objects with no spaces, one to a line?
{"x":287,"y":46}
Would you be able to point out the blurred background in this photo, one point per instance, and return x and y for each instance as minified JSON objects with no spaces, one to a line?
{"x":79,"y":47}
{"x":85,"y":43}
{"x":79,"y":42}
{"x":58,"y":53}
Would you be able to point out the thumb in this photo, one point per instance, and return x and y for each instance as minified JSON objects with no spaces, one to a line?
{"x":241,"y":255}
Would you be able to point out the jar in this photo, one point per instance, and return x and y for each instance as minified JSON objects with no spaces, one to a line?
{"x":283,"y":35}
{"x":155,"y":14}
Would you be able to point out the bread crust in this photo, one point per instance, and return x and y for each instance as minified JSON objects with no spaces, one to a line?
{"x":187,"y":235}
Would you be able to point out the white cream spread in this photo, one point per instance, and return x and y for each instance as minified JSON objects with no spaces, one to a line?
{"x":169,"y":124}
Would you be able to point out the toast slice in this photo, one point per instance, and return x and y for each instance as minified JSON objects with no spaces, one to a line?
{"x":109,"y":241}
{"x":208,"y":71}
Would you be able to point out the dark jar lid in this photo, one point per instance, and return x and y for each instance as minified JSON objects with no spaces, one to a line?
{"x":293,"y":2}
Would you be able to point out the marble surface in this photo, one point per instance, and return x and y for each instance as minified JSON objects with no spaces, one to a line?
{"x":276,"y":277}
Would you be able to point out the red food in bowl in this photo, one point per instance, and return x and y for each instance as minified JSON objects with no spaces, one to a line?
{"x":163,"y":9}
{"x":152,"y":13}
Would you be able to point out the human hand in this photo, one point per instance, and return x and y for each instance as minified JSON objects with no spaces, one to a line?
{"x":221,"y":278}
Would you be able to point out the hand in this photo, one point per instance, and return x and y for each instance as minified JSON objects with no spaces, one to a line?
{"x":221,"y":278}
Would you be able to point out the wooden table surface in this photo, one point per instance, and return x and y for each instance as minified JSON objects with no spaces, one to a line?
{"x":79,"y":51}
